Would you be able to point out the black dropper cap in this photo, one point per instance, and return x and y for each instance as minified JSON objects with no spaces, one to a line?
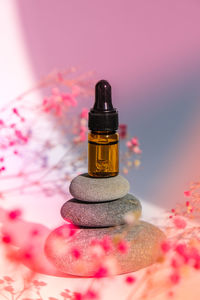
{"x":103,"y":117}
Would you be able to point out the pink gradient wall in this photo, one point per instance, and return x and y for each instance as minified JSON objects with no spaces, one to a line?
{"x":149,"y":51}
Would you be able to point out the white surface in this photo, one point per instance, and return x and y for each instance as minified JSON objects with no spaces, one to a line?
{"x":15,"y":73}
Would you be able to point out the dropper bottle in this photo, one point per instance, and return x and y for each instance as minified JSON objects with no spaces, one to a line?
{"x":103,"y":149}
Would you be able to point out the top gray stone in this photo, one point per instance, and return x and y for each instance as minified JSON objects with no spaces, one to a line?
{"x":90,"y":189}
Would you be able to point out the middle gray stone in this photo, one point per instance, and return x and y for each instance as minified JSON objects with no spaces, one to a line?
{"x":104,"y":214}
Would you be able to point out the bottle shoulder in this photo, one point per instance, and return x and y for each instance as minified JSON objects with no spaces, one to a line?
{"x":103,"y":136}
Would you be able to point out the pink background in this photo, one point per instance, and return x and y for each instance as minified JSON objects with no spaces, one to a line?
{"x":150,"y":53}
{"x":148,"y":50}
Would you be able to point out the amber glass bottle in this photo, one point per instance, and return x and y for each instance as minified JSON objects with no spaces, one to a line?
{"x":103,"y":151}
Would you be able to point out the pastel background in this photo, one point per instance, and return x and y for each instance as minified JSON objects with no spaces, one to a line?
{"x":150,"y":53}
{"x":148,"y":50}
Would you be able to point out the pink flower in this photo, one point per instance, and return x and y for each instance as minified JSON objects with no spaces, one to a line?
{"x":106,"y":243}
{"x":130,"y":279}
{"x":101,"y":272}
{"x":136,"y":150}
{"x":165,"y":246}
{"x":20,"y":136}
{"x":9,"y":288}
{"x":65,"y":295}
{"x":122,"y":247}
{"x":128,"y":144}
{"x":182,"y":250}
{"x":58,"y":102}
{"x":75,"y":253}
{"x":133,"y":145}
{"x":134,"y":141}
{"x":187,"y":193}
{"x":2,"y":169}
{"x":175,"y":278}
{"x":8,"y":279}
{"x":72,"y":229}
{"x":14,"y":214}
{"x":197,"y":264}
{"x":84,"y":113}
{"x":179,"y":223}
{"x":122,"y":131}
{"x":78,"y":296}
{"x":171,"y":294}
{"x":174,"y":263}
{"x":39,"y":283}
{"x":90,"y":294}
{"x":6,"y":239}
{"x":35,"y":232}
{"x":69,"y":100}
{"x":15,"y":111}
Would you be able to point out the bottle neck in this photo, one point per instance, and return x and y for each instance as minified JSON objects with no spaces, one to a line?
{"x":103,"y":132}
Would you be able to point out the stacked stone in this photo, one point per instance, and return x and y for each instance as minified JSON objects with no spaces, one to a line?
{"x":99,"y":202}
{"x":103,"y":207}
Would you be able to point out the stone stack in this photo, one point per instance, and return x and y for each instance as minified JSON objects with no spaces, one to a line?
{"x":103,"y":210}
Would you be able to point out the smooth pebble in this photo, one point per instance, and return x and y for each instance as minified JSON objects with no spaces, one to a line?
{"x":101,"y":214}
{"x":74,"y":251}
{"x":90,"y":189}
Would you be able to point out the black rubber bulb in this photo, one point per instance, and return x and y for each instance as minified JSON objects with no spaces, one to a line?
{"x":103,"y":98}
{"x":103,"y":116}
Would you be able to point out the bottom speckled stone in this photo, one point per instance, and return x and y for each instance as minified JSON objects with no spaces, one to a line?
{"x":78,"y":252}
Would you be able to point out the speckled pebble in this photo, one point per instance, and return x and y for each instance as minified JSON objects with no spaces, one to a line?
{"x":143,"y":240}
{"x":101,"y":214}
{"x":89,"y":189}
